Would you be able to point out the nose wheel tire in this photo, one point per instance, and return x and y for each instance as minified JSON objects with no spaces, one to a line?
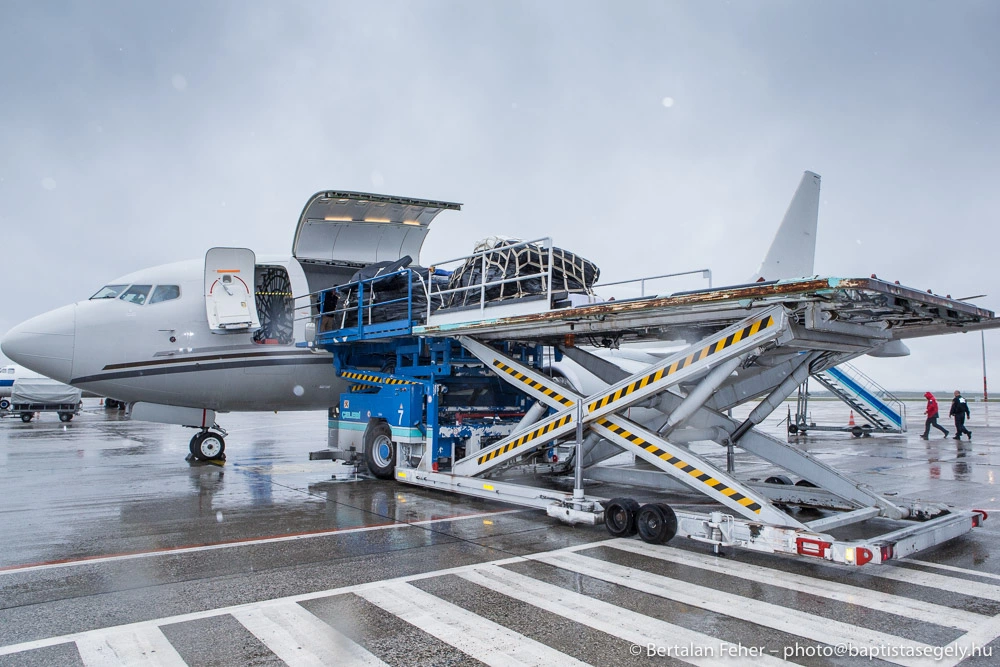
{"x":657,"y":523}
{"x":380,"y":450}
{"x":207,"y":446}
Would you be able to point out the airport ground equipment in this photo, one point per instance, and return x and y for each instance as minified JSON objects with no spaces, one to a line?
{"x":30,"y":396}
{"x":879,"y":410}
{"x":475,"y":400}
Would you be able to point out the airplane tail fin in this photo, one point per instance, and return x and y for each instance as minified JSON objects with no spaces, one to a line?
{"x":793,"y":251}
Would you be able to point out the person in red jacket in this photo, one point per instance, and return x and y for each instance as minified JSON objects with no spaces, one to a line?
{"x":932,"y":417}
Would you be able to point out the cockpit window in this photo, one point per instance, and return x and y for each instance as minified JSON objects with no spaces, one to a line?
{"x":136,"y":294}
{"x":109,"y":292}
{"x":165,"y":293}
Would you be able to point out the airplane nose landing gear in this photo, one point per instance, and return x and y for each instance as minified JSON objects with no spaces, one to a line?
{"x":208,"y":446}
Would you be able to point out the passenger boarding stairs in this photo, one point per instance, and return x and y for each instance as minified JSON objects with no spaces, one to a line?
{"x":883,"y":411}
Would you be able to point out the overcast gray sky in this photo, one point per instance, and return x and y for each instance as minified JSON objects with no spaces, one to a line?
{"x":650,"y":137}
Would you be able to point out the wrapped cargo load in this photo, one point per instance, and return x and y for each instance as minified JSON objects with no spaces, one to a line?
{"x":512,"y":258}
{"x":390,"y":294}
{"x":43,"y":391}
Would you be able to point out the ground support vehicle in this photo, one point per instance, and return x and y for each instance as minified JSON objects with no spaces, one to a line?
{"x":31,"y":396}
{"x":520,"y":430}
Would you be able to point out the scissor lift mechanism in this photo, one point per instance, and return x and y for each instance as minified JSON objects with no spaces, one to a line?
{"x":680,"y":399}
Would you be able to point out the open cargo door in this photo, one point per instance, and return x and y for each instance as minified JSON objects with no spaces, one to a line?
{"x":358,"y":228}
{"x":229,"y":291}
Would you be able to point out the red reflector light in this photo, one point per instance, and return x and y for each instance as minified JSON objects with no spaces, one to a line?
{"x":979,"y":517}
{"x":863,"y":556}
{"x":808,"y":547}
{"x":887,"y":552}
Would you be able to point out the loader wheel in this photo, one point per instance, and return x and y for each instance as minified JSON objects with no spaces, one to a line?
{"x":657,"y":523}
{"x":380,"y":450}
{"x":620,"y":517}
{"x":778,"y":479}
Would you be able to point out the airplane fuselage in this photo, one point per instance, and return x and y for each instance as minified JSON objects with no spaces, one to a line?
{"x":164,"y":352}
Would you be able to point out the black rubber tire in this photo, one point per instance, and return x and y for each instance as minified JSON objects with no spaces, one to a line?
{"x":65,"y":416}
{"x":4,"y":404}
{"x":657,"y":523}
{"x":793,"y":429}
{"x":380,"y":450}
{"x":857,"y":431}
{"x":620,"y":517}
{"x":806,"y":483}
{"x":26,"y":417}
{"x":208,"y":446}
{"x":778,"y":479}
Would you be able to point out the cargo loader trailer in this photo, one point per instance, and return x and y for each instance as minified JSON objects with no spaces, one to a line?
{"x":472,"y":401}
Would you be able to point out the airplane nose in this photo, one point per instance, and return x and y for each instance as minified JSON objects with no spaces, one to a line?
{"x":44,"y":343}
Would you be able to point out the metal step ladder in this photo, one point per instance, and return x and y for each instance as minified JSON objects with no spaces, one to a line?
{"x":883,"y":411}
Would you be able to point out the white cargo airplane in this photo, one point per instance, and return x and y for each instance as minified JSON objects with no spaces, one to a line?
{"x":181,"y":342}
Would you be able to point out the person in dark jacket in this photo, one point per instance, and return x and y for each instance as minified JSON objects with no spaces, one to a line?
{"x":932,"y":417}
{"x":960,"y":410}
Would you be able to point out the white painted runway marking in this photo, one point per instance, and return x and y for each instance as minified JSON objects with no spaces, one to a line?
{"x":613,"y":620}
{"x":892,"y":604}
{"x":474,"y":635}
{"x":791,"y":621}
{"x":245,"y":543}
{"x":143,"y":642}
{"x":129,"y":646}
{"x":301,"y":639}
{"x":940,"y":582}
{"x":952,"y":568}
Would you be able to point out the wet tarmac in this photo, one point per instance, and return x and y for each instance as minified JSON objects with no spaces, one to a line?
{"x":114,"y":550}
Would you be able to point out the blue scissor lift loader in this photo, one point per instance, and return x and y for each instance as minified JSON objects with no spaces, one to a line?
{"x":464,"y":400}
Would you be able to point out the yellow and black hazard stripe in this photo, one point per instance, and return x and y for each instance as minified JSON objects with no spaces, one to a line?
{"x":525,"y":439}
{"x":704,"y":353}
{"x":363,"y":377}
{"x":517,"y":375}
{"x":681,"y":465}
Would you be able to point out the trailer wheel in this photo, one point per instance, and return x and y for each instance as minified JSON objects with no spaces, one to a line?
{"x":26,"y":417}
{"x":805,"y":483}
{"x":657,"y":523}
{"x":65,"y":416}
{"x":380,"y":450}
{"x":620,"y":517}
{"x":4,"y":404}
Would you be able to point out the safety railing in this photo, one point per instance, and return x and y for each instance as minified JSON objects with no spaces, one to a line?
{"x":705,"y":273}
{"x":360,"y":309}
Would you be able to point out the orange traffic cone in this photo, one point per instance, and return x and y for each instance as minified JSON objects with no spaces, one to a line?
{"x":850,"y":422}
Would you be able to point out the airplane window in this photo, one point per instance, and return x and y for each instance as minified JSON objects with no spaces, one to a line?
{"x":109,"y":292}
{"x":136,"y":294}
{"x":165,"y":293}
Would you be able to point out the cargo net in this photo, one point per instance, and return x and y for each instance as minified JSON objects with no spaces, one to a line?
{"x":511,"y":258}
